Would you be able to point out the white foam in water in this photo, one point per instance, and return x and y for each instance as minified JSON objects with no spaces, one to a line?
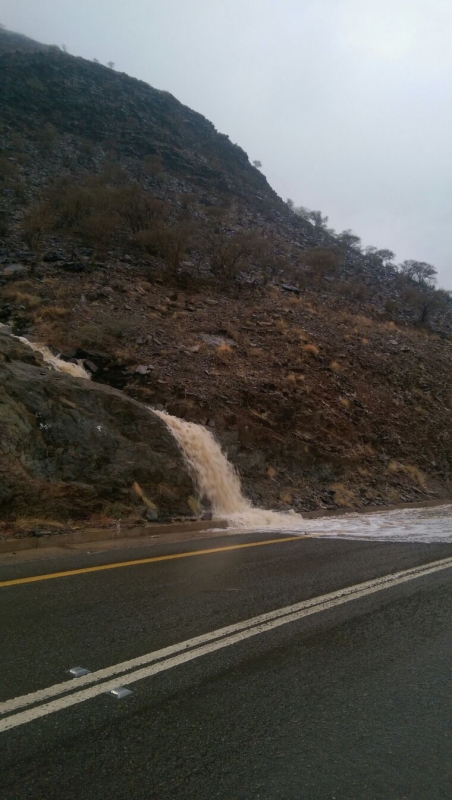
{"x":432,"y":524}
{"x":217,"y":480}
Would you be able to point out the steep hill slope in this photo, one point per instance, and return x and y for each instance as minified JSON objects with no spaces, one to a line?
{"x":138,"y":238}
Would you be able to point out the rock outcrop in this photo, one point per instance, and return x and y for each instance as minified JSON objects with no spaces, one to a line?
{"x":70,"y":448}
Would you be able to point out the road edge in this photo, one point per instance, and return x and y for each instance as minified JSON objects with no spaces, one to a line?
{"x":107,"y":534}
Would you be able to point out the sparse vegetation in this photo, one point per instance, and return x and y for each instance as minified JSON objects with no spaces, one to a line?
{"x":230,"y":255}
{"x":312,"y":349}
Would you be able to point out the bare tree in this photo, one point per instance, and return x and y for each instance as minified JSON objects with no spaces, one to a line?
{"x":173,"y":242}
{"x":257,"y":164}
{"x":322,"y":261}
{"x":140,"y":210}
{"x":230,"y":254}
{"x":111,"y":64}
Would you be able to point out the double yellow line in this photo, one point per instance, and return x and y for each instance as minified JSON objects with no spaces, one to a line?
{"x":172,"y":557}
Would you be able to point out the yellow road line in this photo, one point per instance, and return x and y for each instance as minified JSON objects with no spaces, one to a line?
{"x":189,"y":554}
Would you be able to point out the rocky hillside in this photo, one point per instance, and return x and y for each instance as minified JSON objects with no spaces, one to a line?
{"x":71,"y":448}
{"x":139,"y":239}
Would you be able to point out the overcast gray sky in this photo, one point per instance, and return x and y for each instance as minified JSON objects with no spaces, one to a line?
{"x":347,"y":103}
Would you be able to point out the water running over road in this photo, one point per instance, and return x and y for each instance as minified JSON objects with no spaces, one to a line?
{"x":217,"y":481}
{"x":432,"y":524}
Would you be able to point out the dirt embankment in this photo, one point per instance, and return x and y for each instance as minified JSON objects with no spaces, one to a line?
{"x":317,"y":406}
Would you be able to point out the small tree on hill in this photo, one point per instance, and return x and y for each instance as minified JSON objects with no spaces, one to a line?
{"x":317,"y":219}
{"x":419,"y":272}
{"x":231,"y":254}
{"x":427,"y":301}
{"x":138,"y":209}
{"x":349,"y":240}
{"x":303,"y":212}
{"x":386,"y":256}
{"x":37,"y":221}
{"x":322,"y":261}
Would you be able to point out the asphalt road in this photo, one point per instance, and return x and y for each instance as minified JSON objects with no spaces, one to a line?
{"x":353,"y":701}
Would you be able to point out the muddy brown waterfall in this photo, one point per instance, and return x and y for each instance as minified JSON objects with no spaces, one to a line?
{"x":217,"y":480}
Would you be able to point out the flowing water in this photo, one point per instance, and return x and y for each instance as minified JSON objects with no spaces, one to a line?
{"x":76,"y":370}
{"x":218,"y":482}
{"x":432,"y":524}
{"x":54,"y":362}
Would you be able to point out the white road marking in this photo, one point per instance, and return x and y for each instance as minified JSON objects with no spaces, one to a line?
{"x":210,"y":642}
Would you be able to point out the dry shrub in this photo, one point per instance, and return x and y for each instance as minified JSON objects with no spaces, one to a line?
{"x":140,"y":210}
{"x":233,"y":333}
{"x":124,"y":354}
{"x":408,"y":469}
{"x":344,"y":496}
{"x":28,"y":523}
{"x":271,"y":473}
{"x":169,"y":242}
{"x":292,"y":378}
{"x":92,"y":336}
{"x":362,"y":321}
{"x":365,"y":341}
{"x":230,"y":255}
{"x":224,"y":352}
{"x":345,"y":402}
{"x":98,"y":228}
{"x":312,"y":349}
{"x":286,"y":496}
{"x":52,"y":313}
{"x":19,"y":286}
{"x":30,"y":301}
{"x":322,"y":261}
{"x":163,"y":490}
{"x":300,"y":334}
{"x":335,"y":367}
{"x":256,"y":352}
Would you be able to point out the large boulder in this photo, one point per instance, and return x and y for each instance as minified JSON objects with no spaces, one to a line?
{"x":70,"y":448}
